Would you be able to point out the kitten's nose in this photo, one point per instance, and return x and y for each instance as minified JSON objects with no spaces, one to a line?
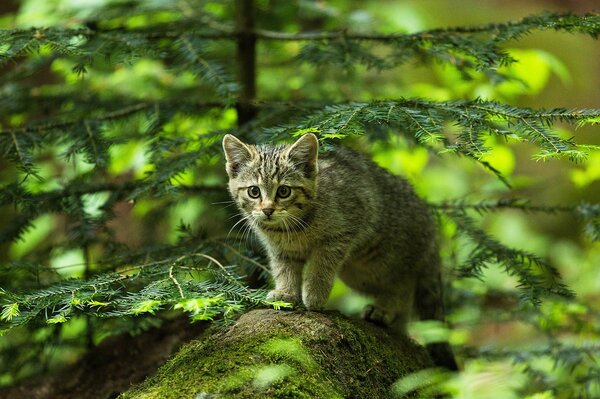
{"x":268,"y":211}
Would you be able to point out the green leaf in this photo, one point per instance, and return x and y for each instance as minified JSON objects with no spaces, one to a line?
{"x":279,"y":304}
{"x":60,"y":318}
{"x":301,"y":132}
{"x":97,"y":303}
{"x":147,"y":306}
{"x":9,"y":311}
{"x":200,"y":308}
{"x":592,"y":120}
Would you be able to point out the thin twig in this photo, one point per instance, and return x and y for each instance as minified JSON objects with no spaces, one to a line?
{"x":172,"y":277}
{"x":246,"y":258}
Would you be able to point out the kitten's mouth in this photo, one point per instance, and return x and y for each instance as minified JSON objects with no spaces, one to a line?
{"x":269,"y":221}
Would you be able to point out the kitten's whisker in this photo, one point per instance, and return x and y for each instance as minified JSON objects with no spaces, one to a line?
{"x":293,"y":224}
{"x":223,"y":202}
{"x":233,"y":227}
{"x":248,"y":236}
{"x":236,"y":215}
{"x":229,"y":204}
{"x":286,"y":236}
{"x":252,"y":236}
{"x":299,"y":221}
{"x":242,"y":234}
{"x":288,"y":231}
{"x":300,"y":224}
{"x":246,"y":233}
{"x":251,"y":226}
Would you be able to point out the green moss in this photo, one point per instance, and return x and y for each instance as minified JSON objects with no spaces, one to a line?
{"x":287,"y":354}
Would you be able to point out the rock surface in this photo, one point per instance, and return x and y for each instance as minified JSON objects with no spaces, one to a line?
{"x":287,"y":354}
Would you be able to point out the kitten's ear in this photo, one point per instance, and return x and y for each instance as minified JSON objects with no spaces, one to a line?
{"x":304,"y":153}
{"x":237,"y":153}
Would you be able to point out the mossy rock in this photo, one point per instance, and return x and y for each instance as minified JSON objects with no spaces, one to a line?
{"x":287,"y":354}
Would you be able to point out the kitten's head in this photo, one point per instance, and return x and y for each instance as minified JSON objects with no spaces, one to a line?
{"x":273,"y":185}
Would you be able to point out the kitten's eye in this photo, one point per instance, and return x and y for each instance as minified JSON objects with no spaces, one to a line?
{"x":253,"y":192}
{"x":284,"y":191}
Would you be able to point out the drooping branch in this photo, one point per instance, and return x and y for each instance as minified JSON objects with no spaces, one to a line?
{"x":536,"y":276}
{"x":475,"y":48}
{"x":140,"y":288}
{"x":587,"y":23}
{"x":588,"y":213}
{"x":568,"y":22}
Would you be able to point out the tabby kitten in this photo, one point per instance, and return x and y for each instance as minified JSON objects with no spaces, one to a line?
{"x":339,"y":214}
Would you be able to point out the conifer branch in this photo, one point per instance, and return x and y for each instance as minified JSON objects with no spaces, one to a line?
{"x":535,"y":275}
{"x":588,"y":23}
{"x":568,"y":22}
{"x":112,"y":115}
{"x":475,"y":120}
{"x":31,"y":205}
{"x":588,"y":213}
{"x":468,"y":48}
{"x":110,"y":294}
{"x":510,"y":203}
{"x":581,"y":361}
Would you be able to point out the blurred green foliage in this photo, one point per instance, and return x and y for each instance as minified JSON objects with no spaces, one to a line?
{"x":126,"y":123}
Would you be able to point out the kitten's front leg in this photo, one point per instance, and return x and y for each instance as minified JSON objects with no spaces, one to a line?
{"x":287,"y":274}
{"x":318,"y":281}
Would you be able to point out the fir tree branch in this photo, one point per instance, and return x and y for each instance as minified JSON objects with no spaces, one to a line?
{"x":556,"y":350}
{"x":468,"y":48}
{"x":588,"y":23}
{"x":475,"y":119}
{"x":581,"y":361}
{"x":588,"y":213}
{"x":114,"y":294}
{"x":510,"y":203}
{"x":568,"y":22}
{"x":535,"y":275}
{"x":33,"y":205}
{"x":114,"y":114}
{"x":15,"y":194}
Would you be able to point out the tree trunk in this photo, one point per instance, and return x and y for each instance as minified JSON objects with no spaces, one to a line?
{"x":287,"y":354}
{"x":246,"y":59}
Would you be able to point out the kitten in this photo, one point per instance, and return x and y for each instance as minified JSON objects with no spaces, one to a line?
{"x":339,"y":214}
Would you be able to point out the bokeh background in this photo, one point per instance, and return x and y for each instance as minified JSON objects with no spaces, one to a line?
{"x":553,"y":70}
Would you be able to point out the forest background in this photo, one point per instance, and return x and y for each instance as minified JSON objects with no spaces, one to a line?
{"x":112,"y":172}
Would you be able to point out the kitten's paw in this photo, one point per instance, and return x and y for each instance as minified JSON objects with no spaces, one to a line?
{"x":377,"y":315}
{"x":278,"y":295}
{"x":313,"y":302}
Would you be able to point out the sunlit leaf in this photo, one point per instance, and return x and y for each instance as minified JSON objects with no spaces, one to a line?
{"x":147,"y":306}
{"x":9,"y":311}
{"x":60,"y":318}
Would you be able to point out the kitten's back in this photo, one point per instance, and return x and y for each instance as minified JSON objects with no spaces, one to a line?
{"x":354,"y":189}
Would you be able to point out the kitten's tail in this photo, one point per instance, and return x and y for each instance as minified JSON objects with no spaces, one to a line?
{"x":430,"y":306}
{"x":442,"y":355}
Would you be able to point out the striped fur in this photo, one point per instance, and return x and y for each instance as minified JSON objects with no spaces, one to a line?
{"x":345,"y":216}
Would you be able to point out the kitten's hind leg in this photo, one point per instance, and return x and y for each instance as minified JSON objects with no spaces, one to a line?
{"x":390,"y":310}
{"x":378,"y":315}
